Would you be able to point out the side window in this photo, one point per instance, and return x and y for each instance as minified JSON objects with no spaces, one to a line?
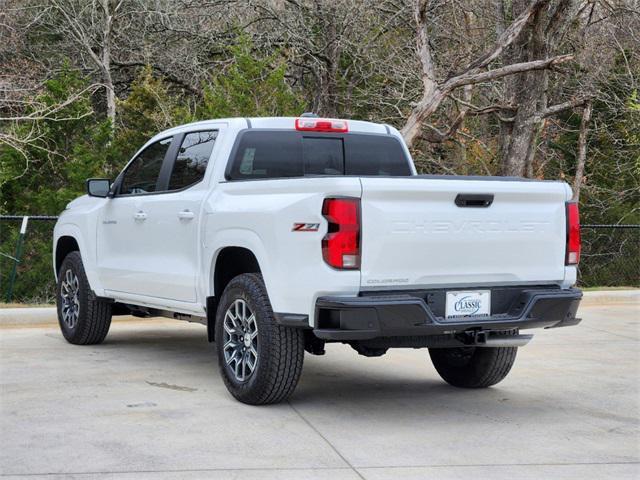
{"x":142,"y":174}
{"x":192,"y":159}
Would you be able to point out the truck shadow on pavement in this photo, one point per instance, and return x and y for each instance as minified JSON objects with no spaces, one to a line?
{"x":339,"y":377}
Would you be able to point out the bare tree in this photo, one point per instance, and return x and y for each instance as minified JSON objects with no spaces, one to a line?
{"x":90,"y":25}
{"x":528,"y":91}
{"x":435,"y":90}
{"x":22,"y":129}
{"x":319,"y":36}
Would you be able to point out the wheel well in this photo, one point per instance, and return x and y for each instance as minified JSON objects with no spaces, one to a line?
{"x":231,"y":262}
{"x":64,"y":247}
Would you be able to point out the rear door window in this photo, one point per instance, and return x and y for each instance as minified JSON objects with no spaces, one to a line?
{"x":192,"y":160}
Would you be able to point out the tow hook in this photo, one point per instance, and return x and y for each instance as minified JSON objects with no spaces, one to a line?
{"x":488,"y":338}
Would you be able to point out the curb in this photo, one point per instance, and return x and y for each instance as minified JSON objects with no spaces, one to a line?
{"x":28,"y":316}
{"x":43,"y":316}
{"x":610,"y":297}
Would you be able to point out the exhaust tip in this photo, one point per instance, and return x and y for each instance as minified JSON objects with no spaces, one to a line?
{"x":507,"y":341}
{"x":487,"y":338}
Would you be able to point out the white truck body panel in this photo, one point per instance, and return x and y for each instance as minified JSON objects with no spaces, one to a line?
{"x":415,"y":236}
{"x":259,"y":215}
{"x":135,"y":255}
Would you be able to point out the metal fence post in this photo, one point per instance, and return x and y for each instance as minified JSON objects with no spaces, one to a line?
{"x":16,"y":259}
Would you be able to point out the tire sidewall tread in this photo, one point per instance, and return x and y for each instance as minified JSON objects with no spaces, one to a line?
{"x":94,"y":318}
{"x":280,"y":349}
{"x":487,"y":366}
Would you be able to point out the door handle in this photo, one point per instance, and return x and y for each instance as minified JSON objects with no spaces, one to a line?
{"x":140,"y":216}
{"x":474,"y":200}
{"x":186,"y":215}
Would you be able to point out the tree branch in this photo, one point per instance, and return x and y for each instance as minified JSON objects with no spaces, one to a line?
{"x":560,"y":107}
{"x":433,"y":93}
{"x":474,"y":78}
{"x":507,"y":37}
{"x":47,"y":113}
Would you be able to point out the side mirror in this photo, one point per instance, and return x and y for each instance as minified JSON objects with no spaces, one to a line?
{"x":98,"y":187}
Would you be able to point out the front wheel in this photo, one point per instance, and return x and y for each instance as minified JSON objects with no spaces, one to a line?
{"x":83,"y":318}
{"x":260,"y":360}
{"x":473,"y":367}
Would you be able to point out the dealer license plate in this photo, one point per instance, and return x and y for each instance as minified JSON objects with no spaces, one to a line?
{"x":475,"y":303}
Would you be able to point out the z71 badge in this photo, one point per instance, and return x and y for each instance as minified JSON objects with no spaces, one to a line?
{"x":305,"y":227}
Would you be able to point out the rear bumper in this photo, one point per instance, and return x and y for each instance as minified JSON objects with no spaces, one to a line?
{"x":421,"y":313}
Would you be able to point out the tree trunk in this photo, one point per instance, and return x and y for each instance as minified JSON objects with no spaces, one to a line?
{"x":106,"y":63}
{"x":582,"y":150}
{"x":527,"y":93}
{"x":326,"y":100}
{"x":111,"y":97}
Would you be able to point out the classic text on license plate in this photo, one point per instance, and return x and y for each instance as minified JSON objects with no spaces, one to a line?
{"x":472,"y":303}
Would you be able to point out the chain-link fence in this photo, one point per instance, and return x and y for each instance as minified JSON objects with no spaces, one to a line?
{"x":30,"y":279}
{"x":610,"y":258}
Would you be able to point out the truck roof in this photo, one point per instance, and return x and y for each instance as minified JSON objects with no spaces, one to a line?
{"x":284,"y":123}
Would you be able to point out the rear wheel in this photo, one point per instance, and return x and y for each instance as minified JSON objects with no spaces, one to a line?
{"x":260,"y":360}
{"x":83,"y":318}
{"x":473,"y":367}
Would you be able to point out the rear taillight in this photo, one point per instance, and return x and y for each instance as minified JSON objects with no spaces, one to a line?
{"x":321,"y":125}
{"x":341,"y":244}
{"x":573,"y":234}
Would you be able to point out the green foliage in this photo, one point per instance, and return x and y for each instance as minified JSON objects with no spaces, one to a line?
{"x":34,"y":280}
{"x":249,"y":86}
{"x":43,"y":175}
{"x":148,"y":109}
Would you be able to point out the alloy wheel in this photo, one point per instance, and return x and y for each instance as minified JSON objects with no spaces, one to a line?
{"x":240,"y":339}
{"x":69,"y":291}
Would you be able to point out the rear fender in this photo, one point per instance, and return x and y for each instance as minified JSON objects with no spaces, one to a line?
{"x":234,"y":237}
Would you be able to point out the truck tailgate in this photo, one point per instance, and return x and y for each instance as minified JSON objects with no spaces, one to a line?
{"x":414,"y":234}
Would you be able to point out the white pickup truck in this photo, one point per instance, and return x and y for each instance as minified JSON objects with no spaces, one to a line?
{"x":283,"y":234}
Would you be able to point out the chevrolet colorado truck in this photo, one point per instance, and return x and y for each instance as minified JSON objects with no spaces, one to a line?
{"x":283,"y":234}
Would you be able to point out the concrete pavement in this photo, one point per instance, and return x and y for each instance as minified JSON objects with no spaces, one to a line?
{"x":149,"y":403}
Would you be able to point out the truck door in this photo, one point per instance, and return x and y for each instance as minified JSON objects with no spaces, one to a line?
{"x":148,"y":233}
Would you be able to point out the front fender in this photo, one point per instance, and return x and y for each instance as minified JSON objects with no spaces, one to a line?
{"x":87,"y":252}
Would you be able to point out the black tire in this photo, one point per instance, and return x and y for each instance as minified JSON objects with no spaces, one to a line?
{"x":280,"y":350}
{"x":93,"y":317}
{"x":473,"y":367}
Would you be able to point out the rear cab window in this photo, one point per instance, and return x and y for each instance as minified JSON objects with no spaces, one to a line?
{"x":265,"y":154}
